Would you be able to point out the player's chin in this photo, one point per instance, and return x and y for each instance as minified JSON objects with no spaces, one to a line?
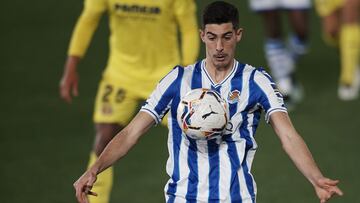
{"x":221,"y":62}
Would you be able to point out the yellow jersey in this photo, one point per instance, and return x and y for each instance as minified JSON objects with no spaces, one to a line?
{"x":326,"y":7}
{"x":144,"y":43}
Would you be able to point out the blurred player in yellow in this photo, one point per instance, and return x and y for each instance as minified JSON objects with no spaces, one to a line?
{"x":144,"y":46}
{"x":341,"y":26}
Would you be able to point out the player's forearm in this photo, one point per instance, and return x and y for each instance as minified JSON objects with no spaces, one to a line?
{"x":300,"y":154}
{"x":119,"y":146}
{"x":295,"y":147}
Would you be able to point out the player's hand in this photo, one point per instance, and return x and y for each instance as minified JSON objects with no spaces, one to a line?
{"x":326,"y":188}
{"x":70,"y":79}
{"x":83,"y":186}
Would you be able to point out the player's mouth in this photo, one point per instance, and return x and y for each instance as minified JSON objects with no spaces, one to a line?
{"x":220,"y":57}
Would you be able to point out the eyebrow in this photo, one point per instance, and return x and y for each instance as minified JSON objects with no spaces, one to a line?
{"x":226,"y":33}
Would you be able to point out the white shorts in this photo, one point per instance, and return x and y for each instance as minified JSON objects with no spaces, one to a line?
{"x":263,"y":5}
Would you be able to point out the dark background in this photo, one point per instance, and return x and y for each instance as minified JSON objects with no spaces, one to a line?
{"x":45,"y":143}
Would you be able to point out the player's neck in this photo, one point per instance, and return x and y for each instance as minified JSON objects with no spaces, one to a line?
{"x":218,"y":74}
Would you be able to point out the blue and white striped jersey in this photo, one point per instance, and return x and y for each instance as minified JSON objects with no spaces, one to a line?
{"x":214,"y":170}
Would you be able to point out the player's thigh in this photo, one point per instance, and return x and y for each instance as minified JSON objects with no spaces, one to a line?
{"x":114,"y":103}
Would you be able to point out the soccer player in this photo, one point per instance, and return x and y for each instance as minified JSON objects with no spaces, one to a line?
{"x":341,"y":25}
{"x":281,"y":55}
{"x":144,"y":46}
{"x":216,"y":170}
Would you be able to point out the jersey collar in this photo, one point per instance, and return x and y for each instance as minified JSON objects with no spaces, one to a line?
{"x":214,"y":84}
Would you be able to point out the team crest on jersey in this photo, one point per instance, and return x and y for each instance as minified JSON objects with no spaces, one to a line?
{"x":234,"y":96}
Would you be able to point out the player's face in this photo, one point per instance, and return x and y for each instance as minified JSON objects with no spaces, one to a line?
{"x":220,"y":41}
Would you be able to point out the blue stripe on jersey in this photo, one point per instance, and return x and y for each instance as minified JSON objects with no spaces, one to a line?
{"x":236,"y":84}
{"x":196,"y":81}
{"x":257,"y":93}
{"x":193,"y":179}
{"x":245,"y":134}
{"x":165,"y":99}
{"x":252,"y":102}
{"x":256,"y":120}
{"x":191,"y":194}
{"x":273,"y":84}
{"x":248,"y":178}
{"x":171,"y":198}
{"x":176,"y":136}
{"x":214,"y":175}
{"x":235,"y":164}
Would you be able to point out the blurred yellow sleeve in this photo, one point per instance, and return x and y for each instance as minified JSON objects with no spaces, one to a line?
{"x":185,"y":12}
{"x":326,"y":7}
{"x":86,"y":26}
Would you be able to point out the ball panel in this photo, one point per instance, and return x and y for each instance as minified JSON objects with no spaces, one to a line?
{"x":202,"y":114}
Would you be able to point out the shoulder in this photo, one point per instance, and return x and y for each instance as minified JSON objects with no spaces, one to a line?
{"x":247,"y":71}
{"x":196,"y":67}
{"x":257,"y":73}
{"x":173,"y":74}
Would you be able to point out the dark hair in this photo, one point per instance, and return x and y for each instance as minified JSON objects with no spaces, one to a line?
{"x":219,"y":12}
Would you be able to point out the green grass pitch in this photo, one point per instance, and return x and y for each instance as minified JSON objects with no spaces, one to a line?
{"x":44,"y":143}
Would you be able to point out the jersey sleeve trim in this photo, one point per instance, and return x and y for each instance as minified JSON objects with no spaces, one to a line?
{"x":273,"y":110}
{"x":152,"y":114}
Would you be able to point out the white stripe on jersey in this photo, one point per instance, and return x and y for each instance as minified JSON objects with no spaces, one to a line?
{"x":216,"y":170}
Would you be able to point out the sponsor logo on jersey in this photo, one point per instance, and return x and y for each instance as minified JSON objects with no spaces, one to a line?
{"x":134,"y":8}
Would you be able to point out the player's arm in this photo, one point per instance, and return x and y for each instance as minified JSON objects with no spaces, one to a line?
{"x":80,"y":40}
{"x":185,"y":12}
{"x":299,"y":153}
{"x":116,"y":149}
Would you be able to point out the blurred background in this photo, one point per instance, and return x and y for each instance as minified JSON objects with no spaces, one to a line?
{"x":45,"y":143}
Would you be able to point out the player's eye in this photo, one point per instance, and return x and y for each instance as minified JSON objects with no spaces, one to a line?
{"x":211,"y":37}
{"x":228,"y":37}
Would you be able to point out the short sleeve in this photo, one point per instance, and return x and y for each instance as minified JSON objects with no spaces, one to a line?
{"x":326,"y":7}
{"x":95,"y":6}
{"x":267,"y":93}
{"x":158,"y":103}
{"x":185,"y":14}
{"x":85,"y":26}
{"x":184,"y":8}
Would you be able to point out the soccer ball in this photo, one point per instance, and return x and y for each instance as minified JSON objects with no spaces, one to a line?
{"x":202,"y":114}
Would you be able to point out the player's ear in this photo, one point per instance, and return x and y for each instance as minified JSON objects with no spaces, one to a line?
{"x":202,"y":34}
{"x":238,"y":33}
